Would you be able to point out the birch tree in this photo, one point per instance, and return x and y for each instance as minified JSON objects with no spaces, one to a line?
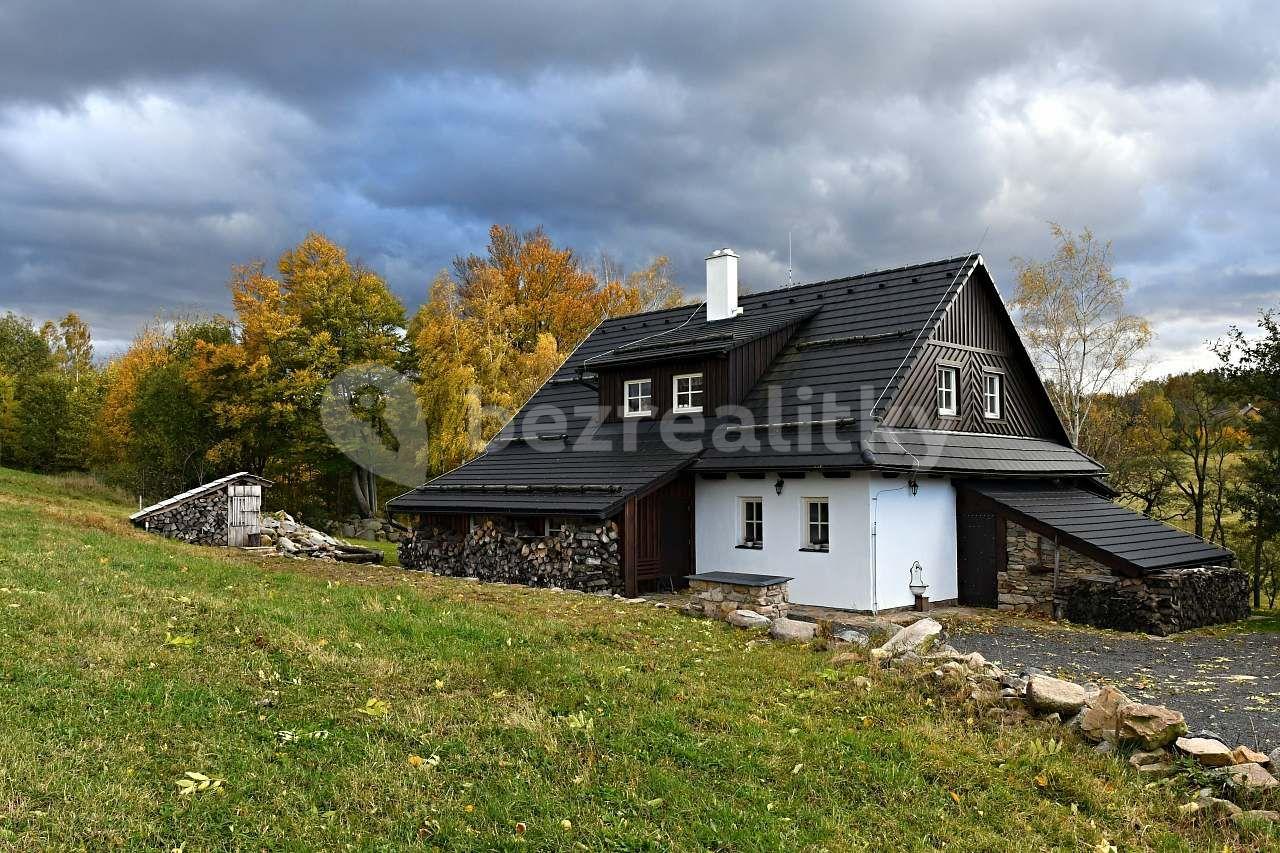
{"x":1071,"y":310}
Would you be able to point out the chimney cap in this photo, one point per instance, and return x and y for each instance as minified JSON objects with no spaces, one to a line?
{"x":721,"y":253}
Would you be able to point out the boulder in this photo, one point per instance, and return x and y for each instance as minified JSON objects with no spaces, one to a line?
{"x":1152,"y":726}
{"x":1275,"y":759}
{"x":1249,"y":776}
{"x":792,"y":630}
{"x":1209,"y":753}
{"x":1245,"y":755}
{"x":1208,"y":805}
{"x":748,"y":619}
{"x":1142,"y":757}
{"x":852,"y":637}
{"x":287,"y":545}
{"x":916,"y":637}
{"x":1100,"y":719}
{"x":1054,"y":695}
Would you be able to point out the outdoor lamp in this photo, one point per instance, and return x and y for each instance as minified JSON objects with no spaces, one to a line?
{"x":777,"y":487}
{"x":913,"y":487}
{"x":918,"y":586}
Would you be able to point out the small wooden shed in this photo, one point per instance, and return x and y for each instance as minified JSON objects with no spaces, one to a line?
{"x":226,"y":511}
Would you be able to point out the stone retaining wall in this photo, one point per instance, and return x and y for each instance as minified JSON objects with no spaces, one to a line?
{"x":584,"y":555}
{"x":201,"y":520}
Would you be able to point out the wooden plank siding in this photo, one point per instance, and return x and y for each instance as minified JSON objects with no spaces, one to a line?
{"x":657,"y":535}
{"x":975,"y":336}
{"x":727,"y":378}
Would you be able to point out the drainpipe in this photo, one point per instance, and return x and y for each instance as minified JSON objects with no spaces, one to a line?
{"x":875,"y":520}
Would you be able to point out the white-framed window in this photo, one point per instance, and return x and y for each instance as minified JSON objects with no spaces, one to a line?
{"x":992,"y":396}
{"x":686,"y":392}
{"x":817,"y":524}
{"x":752,"y":522}
{"x":557,"y":526}
{"x":948,"y":379}
{"x":638,"y":397}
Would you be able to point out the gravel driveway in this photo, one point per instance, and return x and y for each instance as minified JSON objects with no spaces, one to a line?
{"x":1227,"y":683}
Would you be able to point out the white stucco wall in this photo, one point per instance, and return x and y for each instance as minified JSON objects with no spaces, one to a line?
{"x":911,"y":528}
{"x":920,"y":527}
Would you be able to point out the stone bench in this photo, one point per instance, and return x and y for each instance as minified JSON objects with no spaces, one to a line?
{"x":717,"y":594}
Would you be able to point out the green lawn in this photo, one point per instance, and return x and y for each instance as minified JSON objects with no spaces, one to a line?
{"x":353,"y":707}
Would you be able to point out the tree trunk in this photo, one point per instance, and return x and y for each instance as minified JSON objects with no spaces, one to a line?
{"x":1257,"y":564}
{"x":357,"y":486}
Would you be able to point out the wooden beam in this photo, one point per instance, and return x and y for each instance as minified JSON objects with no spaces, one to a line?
{"x":630,"y":543}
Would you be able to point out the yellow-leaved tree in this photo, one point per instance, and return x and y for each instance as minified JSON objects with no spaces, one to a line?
{"x":499,"y":325}
{"x":293,"y":333}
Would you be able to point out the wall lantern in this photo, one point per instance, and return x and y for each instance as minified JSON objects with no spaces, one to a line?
{"x":912,"y":486}
{"x":918,"y":586}
{"x":777,"y":487}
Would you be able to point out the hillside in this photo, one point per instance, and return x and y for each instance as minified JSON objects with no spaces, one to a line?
{"x":365,"y":706}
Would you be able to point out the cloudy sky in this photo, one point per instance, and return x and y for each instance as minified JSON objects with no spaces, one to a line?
{"x":145,"y":147}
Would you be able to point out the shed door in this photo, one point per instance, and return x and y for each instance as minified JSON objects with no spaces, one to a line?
{"x":976,"y":541}
{"x":244,"y":514}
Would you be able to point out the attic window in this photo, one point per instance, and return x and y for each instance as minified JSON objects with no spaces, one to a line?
{"x":687,"y":392}
{"x":948,"y":379}
{"x":638,"y":396}
{"x":992,"y":396}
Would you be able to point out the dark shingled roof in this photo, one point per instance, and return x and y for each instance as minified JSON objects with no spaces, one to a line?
{"x":1098,"y":524}
{"x":855,"y":339}
{"x":908,"y":449}
{"x":532,"y":477}
{"x":698,"y":337}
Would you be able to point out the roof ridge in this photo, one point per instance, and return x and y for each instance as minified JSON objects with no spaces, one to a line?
{"x":789,"y":288}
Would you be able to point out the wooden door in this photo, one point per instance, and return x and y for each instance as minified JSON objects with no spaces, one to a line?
{"x":244,"y":514}
{"x":658,"y":537}
{"x":978,"y":558}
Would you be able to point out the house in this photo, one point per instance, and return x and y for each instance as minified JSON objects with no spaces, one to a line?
{"x":226,"y":511}
{"x":837,"y":433}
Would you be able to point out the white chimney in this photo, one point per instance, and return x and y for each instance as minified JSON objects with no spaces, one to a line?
{"x":722,"y":285}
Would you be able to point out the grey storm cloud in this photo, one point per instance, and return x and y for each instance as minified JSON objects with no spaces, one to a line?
{"x":145,"y":147}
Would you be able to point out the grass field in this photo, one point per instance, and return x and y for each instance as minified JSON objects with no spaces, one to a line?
{"x":351,"y":707}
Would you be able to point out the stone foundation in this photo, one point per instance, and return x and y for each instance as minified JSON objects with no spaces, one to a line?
{"x":1160,"y":602}
{"x":585,"y":555}
{"x":1026,"y":584}
{"x":201,"y":520}
{"x":717,"y":599}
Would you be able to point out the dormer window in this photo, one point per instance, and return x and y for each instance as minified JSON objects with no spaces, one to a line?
{"x":948,"y":379}
{"x":638,"y":397}
{"x":687,"y":392}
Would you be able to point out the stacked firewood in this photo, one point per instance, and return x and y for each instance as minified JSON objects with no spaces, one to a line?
{"x":1160,"y":602}
{"x":584,"y":556}
{"x":201,"y":520}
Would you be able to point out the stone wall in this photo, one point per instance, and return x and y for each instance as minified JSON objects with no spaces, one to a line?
{"x":1026,"y":584}
{"x":585,"y":555}
{"x":1162,"y":602}
{"x":718,"y":599}
{"x":201,"y":520}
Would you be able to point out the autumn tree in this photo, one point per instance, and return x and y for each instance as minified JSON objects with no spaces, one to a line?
{"x":293,"y":333}
{"x":70,"y":345}
{"x":1127,"y":439}
{"x":497,"y":327}
{"x":1251,"y":363}
{"x":1202,"y":427}
{"x":1071,"y":311}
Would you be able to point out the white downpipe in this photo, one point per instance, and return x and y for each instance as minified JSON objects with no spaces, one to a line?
{"x":875,"y":520}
